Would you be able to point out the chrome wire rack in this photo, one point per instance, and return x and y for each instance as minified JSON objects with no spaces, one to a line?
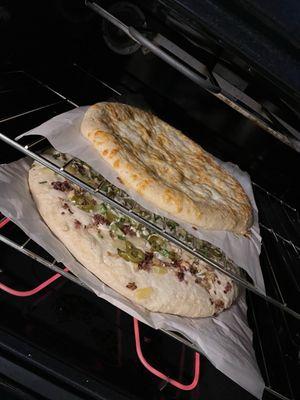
{"x":279,"y":222}
{"x":186,"y":241}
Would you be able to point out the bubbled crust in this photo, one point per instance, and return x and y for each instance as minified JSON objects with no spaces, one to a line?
{"x":167,"y":168}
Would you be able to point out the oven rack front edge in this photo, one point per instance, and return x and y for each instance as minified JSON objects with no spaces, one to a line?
{"x":189,"y":247}
{"x":152,"y":226}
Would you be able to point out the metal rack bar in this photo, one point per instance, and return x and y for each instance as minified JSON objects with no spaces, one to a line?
{"x":275,"y":197}
{"x":268,"y":387}
{"x":204,"y":83}
{"x":69,"y":276}
{"x":279,"y":236}
{"x":150,"y":225}
{"x":30,"y":111}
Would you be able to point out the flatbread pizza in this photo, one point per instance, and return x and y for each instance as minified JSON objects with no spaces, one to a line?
{"x":167,"y":168}
{"x":123,"y":254}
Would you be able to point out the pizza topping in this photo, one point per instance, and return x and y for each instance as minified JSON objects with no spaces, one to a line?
{"x":62,"y":186}
{"x":57,"y":155}
{"x":67,"y":207}
{"x":156,"y":242}
{"x":77,"y":224}
{"x":105,"y":210}
{"x":147,"y":262}
{"x":193,"y":270}
{"x":204,"y":281}
{"x":180,"y":275}
{"x":159,"y":269}
{"x":143,"y":293}
{"x":87,"y":174}
{"x":128,"y":230}
{"x":228,"y":287}
{"x":219,"y":305}
{"x":131,"y":253}
{"x":83,"y":201}
{"x":115,"y":231}
{"x":100,"y":220}
{"x":131,"y":286}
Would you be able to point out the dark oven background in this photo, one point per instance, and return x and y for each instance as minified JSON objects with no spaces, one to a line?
{"x":64,"y":45}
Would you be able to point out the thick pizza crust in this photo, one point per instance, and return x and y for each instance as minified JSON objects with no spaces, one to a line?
{"x":155,"y":291}
{"x":167,"y":168}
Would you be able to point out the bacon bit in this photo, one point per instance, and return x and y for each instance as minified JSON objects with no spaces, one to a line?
{"x":219,"y":304}
{"x":218,"y":282}
{"x":66,"y":207}
{"x":120,"y":180}
{"x":77,"y":224}
{"x":180,"y":275}
{"x":227,"y":288}
{"x":131,"y":286}
{"x":62,"y":186}
{"x":80,"y":168}
{"x":203,"y":282}
{"x":206,"y":283}
{"x":146,"y":263}
{"x":99,"y":219}
{"x":181,"y":265}
{"x":128,"y":230}
{"x":193,"y":270}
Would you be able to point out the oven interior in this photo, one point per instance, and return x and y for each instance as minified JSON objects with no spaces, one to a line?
{"x":56,"y":56}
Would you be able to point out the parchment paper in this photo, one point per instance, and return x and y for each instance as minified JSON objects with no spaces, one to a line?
{"x":63,"y":132}
{"x":225,"y":340}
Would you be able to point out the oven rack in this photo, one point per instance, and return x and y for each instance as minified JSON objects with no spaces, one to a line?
{"x":276,"y":298}
{"x":58,"y":268}
{"x":206,"y":79}
{"x":24,"y":248}
{"x":161,"y":230}
{"x":278,"y":210}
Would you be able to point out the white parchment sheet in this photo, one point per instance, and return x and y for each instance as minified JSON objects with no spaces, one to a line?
{"x":225,"y":340}
{"x":63,"y":132}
